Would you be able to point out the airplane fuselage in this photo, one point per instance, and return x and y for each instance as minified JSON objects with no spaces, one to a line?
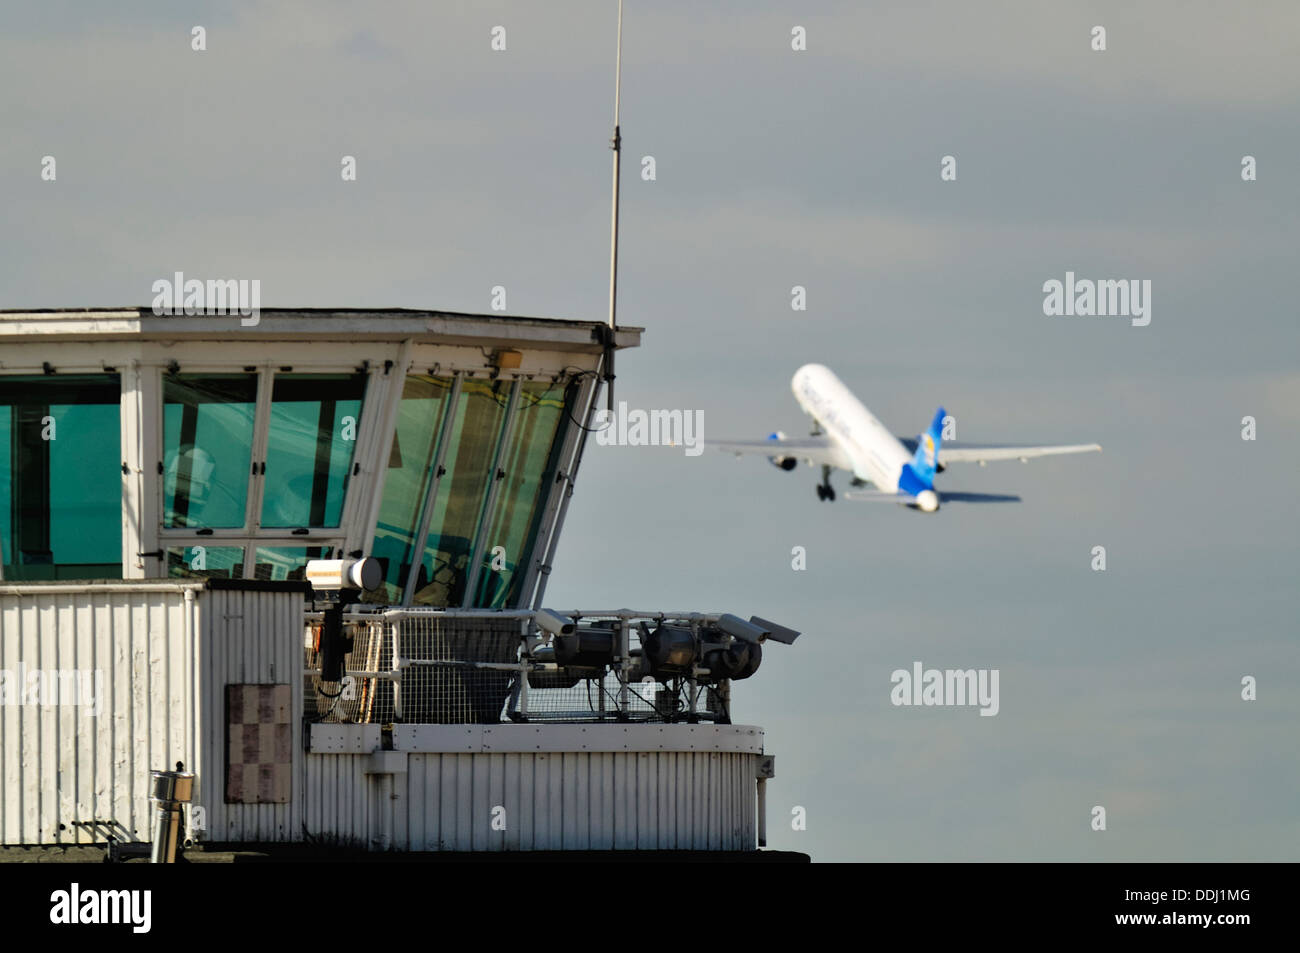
{"x":875,"y":453}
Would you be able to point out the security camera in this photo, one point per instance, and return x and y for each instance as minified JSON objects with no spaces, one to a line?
{"x":552,"y":623}
{"x":777,"y":633}
{"x":332,"y":575}
{"x":346,"y":578}
{"x":738,"y":628}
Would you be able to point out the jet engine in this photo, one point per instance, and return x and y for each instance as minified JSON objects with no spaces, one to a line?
{"x":784,"y":463}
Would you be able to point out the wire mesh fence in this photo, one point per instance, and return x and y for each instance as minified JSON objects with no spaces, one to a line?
{"x":483,"y":668}
{"x":366,"y":693}
{"x":456,"y":670}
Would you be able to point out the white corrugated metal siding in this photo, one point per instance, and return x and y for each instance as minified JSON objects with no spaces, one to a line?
{"x":249,"y":637}
{"x":64,"y":769}
{"x":337,"y":796}
{"x":555,"y":800}
{"x":167,"y":651}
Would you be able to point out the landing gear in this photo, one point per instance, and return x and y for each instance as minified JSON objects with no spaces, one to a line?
{"x":824,"y":489}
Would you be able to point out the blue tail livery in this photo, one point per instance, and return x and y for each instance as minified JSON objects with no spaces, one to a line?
{"x":926,"y":460}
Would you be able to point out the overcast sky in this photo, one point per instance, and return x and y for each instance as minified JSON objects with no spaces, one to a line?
{"x":818,"y":168}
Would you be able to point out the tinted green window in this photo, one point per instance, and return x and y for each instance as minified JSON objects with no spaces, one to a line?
{"x":309,"y":448}
{"x":458,"y":504}
{"x":6,"y":487}
{"x":529,"y":463}
{"x":60,"y":477}
{"x":280,"y":563}
{"x":419,"y":420}
{"x":207,"y":448}
{"x":217,"y":562}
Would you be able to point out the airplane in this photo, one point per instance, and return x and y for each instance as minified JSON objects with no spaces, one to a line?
{"x":847,"y":436}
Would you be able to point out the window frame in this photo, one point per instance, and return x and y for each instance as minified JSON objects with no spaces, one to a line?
{"x":488,"y":506}
{"x":252,"y":535}
{"x":127,"y":533}
{"x":421,"y":538}
{"x":141,"y":371}
{"x":427,"y":506}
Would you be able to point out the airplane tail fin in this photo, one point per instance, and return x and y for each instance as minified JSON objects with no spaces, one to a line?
{"x":926,"y":460}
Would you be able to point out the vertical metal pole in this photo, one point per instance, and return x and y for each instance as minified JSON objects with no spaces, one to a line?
{"x":257,"y":484}
{"x":132,"y":498}
{"x":606,"y":364}
{"x":624,"y":664}
{"x":524,"y":668}
{"x":398,"y":673}
{"x":692,"y":690}
{"x":762,"y":812}
{"x":617,"y":145}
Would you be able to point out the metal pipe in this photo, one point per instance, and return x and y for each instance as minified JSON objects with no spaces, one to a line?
{"x":169,"y":789}
{"x":617,"y":145}
{"x":164,"y":834}
{"x":762,"y":812}
{"x":357,"y":673}
{"x":524,"y":668}
{"x":624,"y":663}
{"x":575,"y":614}
{"x":151,"y":585}
{"x":660,"y":616}
{"x":417,"y":612}
{"x":462,"y":663}
{"x":397,"y":675}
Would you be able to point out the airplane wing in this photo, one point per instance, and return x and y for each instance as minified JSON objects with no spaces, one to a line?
{"x":817,"y":450}
{"x":878,"y":496}
{"x":955,"y":452}
{"x":882,"y":496}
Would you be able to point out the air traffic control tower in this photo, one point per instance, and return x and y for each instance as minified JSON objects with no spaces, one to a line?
{"x":164,"y":482}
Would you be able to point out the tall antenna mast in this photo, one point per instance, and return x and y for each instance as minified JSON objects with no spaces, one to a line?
{"x":616,"y":144}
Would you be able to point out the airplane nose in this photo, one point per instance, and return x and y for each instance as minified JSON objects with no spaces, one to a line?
{"x":928,"y":500}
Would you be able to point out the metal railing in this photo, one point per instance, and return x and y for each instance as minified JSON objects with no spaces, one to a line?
{"x":473,"y":666}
